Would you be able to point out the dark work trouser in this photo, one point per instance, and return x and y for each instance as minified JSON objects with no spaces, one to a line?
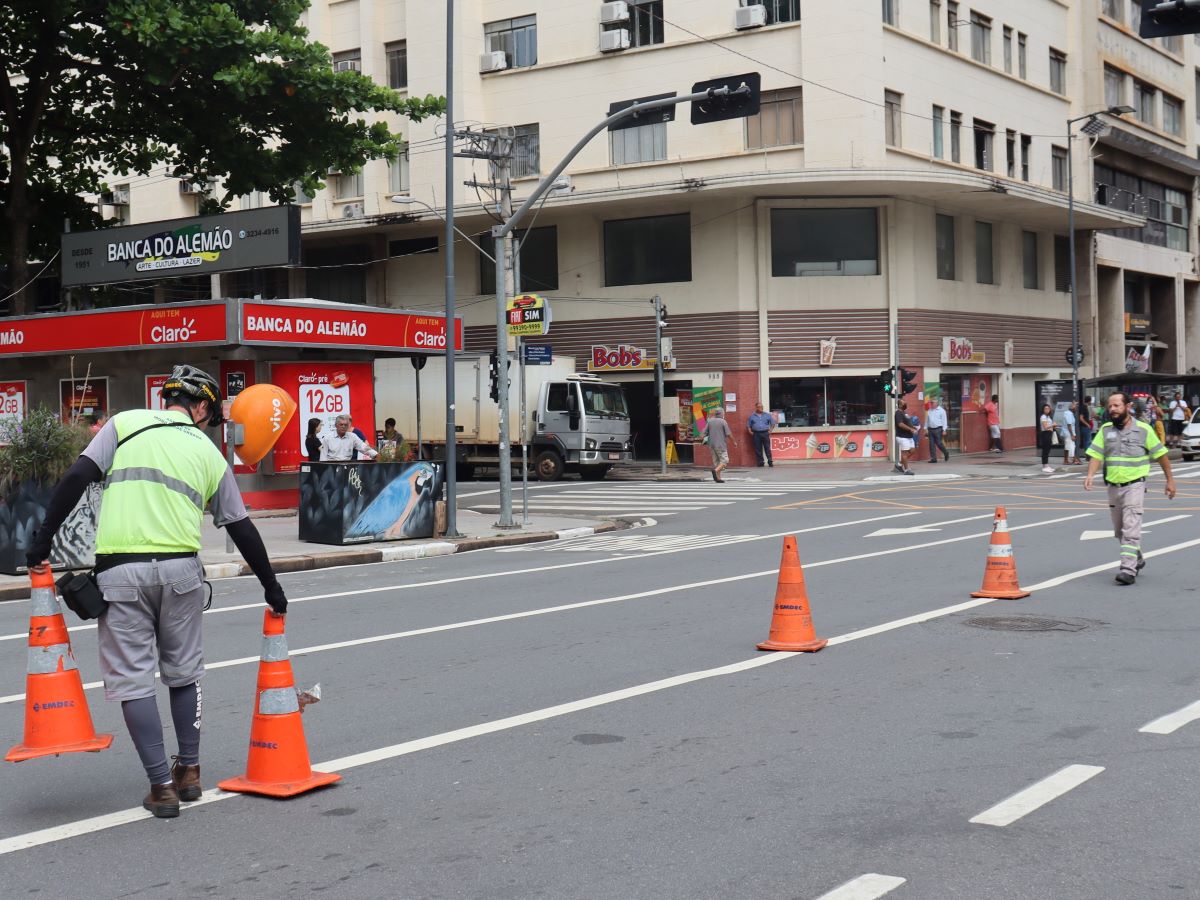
{"x":762,"y":447}
{"x":935,"y":441}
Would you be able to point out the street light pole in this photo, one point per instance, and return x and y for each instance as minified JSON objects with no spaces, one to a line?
{"x":1090,"y":117}
{"x":451,"y":458}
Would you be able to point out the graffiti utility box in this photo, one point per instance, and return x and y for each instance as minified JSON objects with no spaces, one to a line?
{"x":356,"y":502}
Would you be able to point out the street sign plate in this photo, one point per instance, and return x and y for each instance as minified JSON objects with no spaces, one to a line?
{"x":650,"y":117}
{"x":538,"y":354}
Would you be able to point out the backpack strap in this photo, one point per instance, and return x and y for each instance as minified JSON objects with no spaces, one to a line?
{"x":130,"y":437}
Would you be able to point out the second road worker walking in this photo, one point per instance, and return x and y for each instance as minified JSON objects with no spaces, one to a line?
{"x":1124,"y":446}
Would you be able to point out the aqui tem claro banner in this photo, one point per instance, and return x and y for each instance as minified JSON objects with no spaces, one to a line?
{"x":198,"y":246}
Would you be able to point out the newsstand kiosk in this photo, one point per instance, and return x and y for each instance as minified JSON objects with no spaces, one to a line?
{"x":321,"y":353}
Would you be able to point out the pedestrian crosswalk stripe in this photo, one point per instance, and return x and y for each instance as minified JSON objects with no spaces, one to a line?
{"x":631,"y":543}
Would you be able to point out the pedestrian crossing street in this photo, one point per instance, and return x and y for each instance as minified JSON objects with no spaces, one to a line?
{"x":656,"y":499}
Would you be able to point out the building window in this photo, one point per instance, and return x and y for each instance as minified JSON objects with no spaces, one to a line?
{"x":1172,"y":115}
{"x":348,"y":186}
{"x":985,"y":135}
{"x":1058,"y":168}
{"x":1173,"y":43}
{"x":1022,"y":55}
{"x":955,"y":136}
{"x":1007,"y":49}
{"x":348,"y":61}
{"x":1114,"y":86}
{"x":526,"y":152}
{"x":651,"y":250}
{"x":1143,"y":101}
{"x":1166,"y":209}
{"x":780,"y":120}
{"x":981,"y":38}
{"x":889,"y":11}
{"x":1175,"y":213}
{"x":1062,"y":264}
{"x":891,"y":118}
{"x":1135,"y":16}
{"x":516,"y":38}
{"x":813,"y":402}
{"x":952,"y":25}
{"x":395,"y":55}
{"x":1198,"y":92}
{"x":984,"y":268}
{"x":1058,"y":71}
{"x":398,"y":182}
{"x":806,"y":242}
{"x":254,"y":200}
{"x":645,"y":23}
{"x":538,"y":251}
{"x":935,"y":21}
{"x":300,"y":196}
{"x":645,"y":143}
{"x":944,"y":227}
{"x":780,"y":11}
{"x":1029,"y":260}
{"x":1112,"y":9}
{"x":1010,"y":154}
{"x":939,"y":116}
{"x":1026,"y":149}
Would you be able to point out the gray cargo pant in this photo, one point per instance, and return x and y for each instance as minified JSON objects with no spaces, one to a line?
{"x":1125,"y":502}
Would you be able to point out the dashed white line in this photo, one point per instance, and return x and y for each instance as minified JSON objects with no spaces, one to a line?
{"x":1036,"y":795}
{"x":865,"y":887}
{"x":1173,"y":721}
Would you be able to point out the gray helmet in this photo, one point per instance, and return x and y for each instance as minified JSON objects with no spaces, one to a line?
{"x":195,"y":384}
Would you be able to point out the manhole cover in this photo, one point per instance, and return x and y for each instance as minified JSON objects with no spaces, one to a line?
{"x":1026,"y":623}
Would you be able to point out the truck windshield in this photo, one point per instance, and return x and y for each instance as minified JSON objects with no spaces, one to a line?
{"x":604,"y":400}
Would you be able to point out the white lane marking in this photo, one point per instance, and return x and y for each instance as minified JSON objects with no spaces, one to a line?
{"x":1063,"y":475}
{"x":1146,"y":526}
{"x":619,"y":504}
{"x":489,"y":620}
{"x":1023,"y":802}
{"x":865,"y":887}
{"x":496,"y":490}
{"x":1172,"y":722}
{"x":920,"y":529}
{"x":533,"y":570}
{"x":1106,"y":567}
{"x":110,"y":820}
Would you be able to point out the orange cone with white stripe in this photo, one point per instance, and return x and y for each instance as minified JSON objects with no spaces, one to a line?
{"x":278,"y":764}
{"x":791,"y":622}
{"x":57,"y":719}
{"x":1000,"y":572}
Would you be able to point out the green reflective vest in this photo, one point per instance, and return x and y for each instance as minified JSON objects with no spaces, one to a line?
{"x":1127,"y":451}
{"x":157,"y":485}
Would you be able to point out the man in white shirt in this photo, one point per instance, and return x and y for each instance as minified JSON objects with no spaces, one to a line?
{"x":935,"y":422}
{"x":1066,"y":431}
{"x":1179,"y":416}
{"x":341,"y":446}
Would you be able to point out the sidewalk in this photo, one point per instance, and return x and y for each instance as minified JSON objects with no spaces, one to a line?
{"x":290,"y":554}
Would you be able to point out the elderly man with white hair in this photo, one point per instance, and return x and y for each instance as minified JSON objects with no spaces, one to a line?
{"x":340,"y":447}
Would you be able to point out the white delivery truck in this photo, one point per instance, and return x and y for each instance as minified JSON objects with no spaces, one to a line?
{"x":573,"y":423}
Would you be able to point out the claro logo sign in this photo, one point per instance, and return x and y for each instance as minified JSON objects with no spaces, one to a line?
{"x":621,"y":357}
{"x":174,"y":334}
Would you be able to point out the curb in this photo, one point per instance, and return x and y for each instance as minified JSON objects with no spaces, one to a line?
{"x":427,"y":550}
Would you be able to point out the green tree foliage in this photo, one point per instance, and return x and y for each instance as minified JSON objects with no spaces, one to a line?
{"x":232,"y":89}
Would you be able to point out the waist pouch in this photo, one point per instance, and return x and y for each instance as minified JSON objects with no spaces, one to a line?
{"x":82,"y":594}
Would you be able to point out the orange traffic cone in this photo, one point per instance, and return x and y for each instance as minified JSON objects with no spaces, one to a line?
{"x":57,"y":719}
{"x":791,"y":623}
{"x":1000,"y":573}
{"x":278,"y":761}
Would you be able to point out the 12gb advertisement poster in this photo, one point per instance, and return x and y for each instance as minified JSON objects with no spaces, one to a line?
{"x":322,"y":391}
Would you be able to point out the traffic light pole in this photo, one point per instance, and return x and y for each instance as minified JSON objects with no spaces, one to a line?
{"x":658,"y":384}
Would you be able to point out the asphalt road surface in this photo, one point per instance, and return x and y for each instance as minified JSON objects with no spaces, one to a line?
{"x":590,"y":718}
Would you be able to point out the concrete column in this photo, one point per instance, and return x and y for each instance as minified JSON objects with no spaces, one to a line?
{"x":297,"y":283}
{"x":1178,"y":351}
{"x":1110,"y":320}
{"x":1191,"y":325}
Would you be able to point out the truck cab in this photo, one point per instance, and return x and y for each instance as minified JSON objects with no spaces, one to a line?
{"x":581,"y":424}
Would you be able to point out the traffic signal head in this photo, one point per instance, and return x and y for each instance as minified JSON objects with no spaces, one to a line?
{"x":908,"y":381}
{"x":734,"y":97}
{"x":1160,"y":19}
{"x":886,"y":382}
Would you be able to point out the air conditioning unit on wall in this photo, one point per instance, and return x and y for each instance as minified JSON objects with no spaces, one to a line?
{"x":753,"y":16}
{"x":494,"y":61}
{"x":352,"y":211}
{"x":616,"y":39}
{"x":617,"y":11}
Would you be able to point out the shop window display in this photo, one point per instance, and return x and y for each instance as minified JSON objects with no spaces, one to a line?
{"x":818,"y":402}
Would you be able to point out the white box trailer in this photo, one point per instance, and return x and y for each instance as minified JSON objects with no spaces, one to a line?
{"x":573,"y":423}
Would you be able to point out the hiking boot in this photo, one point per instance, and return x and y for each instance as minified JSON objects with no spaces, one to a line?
{"x":1125,"y":578}
{"x":186,"y":780}
{"x":162,"y":801}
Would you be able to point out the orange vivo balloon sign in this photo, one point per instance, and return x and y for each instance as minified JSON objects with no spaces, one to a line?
{"x":264,"y":411}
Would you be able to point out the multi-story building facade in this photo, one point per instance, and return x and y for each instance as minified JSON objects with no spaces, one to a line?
{"x":903,"y":190}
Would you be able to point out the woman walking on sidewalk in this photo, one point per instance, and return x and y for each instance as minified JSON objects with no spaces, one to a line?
{"x":1046,"y":436}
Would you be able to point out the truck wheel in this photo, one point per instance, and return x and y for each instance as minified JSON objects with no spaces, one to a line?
{"x":548,"y":465}
{"x":593,"y":473}
{"x":464,"y":472}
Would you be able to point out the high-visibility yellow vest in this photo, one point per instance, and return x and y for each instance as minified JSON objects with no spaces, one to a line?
{"x":158,"y":485}
{"x":1126,"y":452}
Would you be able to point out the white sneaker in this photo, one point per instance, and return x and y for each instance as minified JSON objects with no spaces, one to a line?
{"x":1048,"y":469}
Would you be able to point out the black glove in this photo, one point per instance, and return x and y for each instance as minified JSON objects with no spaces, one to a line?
{"x":275,"y":598}
{"x":39,"y":550}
